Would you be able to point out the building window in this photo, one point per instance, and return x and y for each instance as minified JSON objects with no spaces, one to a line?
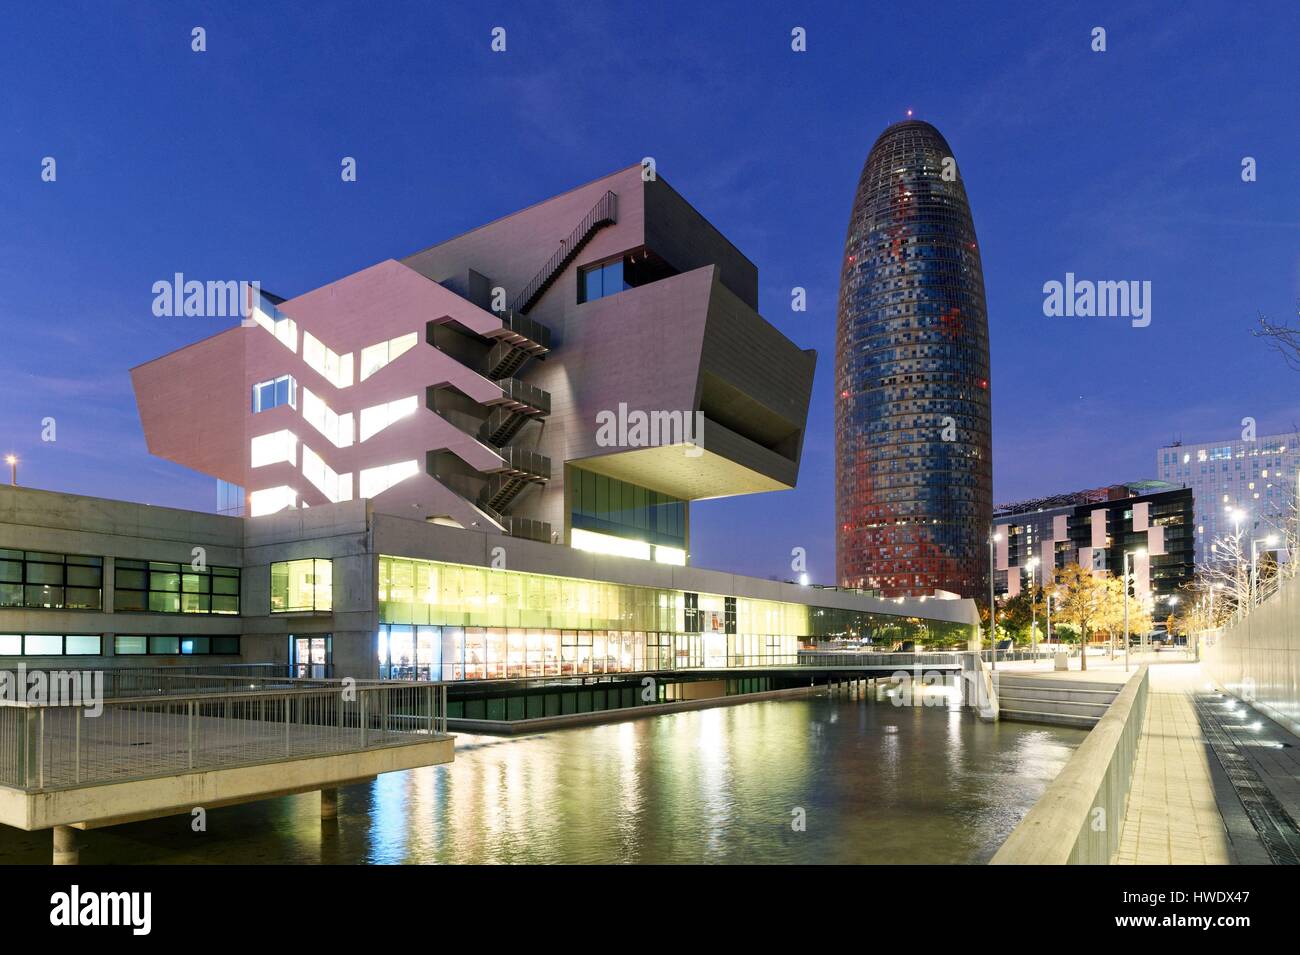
{"x":128,"y":645}
{"x":598,"y":281}
{"x":302,"y":585}
{"x":375,"y":481}
{"x":269,"y":500}
{"x":693,"y":622}
{"x":335,"y":368}
{"x":606,"y":505}
{"x":273,"y":448}
{"x":276,"y":392}
{"x":49,"y":644}
{"x":52,"y":581}
{"x":379,"y":417}
{"x":375,"y":357}
{"x":158,"y":587}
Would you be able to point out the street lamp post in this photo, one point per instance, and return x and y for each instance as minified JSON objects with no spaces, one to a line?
{"x":1048,"y":595}
{"x":12,"y":461}
{"x":1127,"y":554}
{"x":993,"y":640}
{"x":1030,"y":565}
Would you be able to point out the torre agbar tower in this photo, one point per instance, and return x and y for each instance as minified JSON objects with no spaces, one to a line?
{"x":914,"y":463}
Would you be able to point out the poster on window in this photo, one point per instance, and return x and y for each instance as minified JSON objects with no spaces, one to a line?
{"x":714,"y":622}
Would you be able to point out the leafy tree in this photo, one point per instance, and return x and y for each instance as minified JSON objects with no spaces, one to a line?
{"x":1080,"y":601}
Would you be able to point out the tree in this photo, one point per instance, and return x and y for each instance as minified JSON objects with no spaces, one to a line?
{"x":1283,"y":338}
{"x":1015,"y":613}
{"x":1112,"y":616}
{"x":1080,"y":601}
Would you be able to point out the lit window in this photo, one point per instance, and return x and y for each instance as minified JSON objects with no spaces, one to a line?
{"x":375,"y":481}
{"x":273,"y":448}
{"x":301,"y":585}
{"x":376,"y":357}
{"x":284,"y":328}
{"x":337,"y":427}
{"x":271,"y":499}
{"x":670,"y":555}
{"x":336,"y":487}
{"x":376,"y":419}
{"x":609,"y":544}
{"x":335,"y":368}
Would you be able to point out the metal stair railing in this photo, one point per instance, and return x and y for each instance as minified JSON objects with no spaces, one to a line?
{"x":604,"y":212}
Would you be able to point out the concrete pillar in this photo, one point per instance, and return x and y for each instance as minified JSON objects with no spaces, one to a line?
{"x":329,"y":804}
{"x":66,"y":851}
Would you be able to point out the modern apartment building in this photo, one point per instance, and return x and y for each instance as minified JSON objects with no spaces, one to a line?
{"x":1094,"y":528}
{"x":914,"y":488}
{"x":577,"y":372}
{"x":1257,"y":478}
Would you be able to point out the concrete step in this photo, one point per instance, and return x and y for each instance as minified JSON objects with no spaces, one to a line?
{"x":1054,"y":719}
{"x":1103,"y":697}
{"x":1039,"y":705}
{"x":1006,"y":679}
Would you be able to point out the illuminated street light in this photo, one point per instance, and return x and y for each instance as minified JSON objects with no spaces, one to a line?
{"x":1031,"y":565}
{"x":12,"y":461}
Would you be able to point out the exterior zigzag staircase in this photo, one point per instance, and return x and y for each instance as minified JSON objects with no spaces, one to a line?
{"x":498,"y":424}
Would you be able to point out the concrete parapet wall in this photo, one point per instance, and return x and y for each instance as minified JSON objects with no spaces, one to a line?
{"x":1078,"y":819}
{"x":1259,"y":659}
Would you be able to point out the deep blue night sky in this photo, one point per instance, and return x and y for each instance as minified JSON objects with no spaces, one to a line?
{"x":1117,"y":165}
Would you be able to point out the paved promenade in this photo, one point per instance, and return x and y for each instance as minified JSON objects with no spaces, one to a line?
{"x":1173,"y":817}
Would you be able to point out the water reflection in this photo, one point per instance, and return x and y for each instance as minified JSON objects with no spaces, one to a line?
{"x":878,"y":783}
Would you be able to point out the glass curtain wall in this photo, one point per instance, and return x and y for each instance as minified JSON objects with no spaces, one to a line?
{"x":459,"y":622}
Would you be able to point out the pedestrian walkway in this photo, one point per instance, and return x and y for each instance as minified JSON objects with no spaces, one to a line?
{"x":1172,"y":816}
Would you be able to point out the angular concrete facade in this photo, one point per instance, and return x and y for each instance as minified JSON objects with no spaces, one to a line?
{"x":466,"y":384}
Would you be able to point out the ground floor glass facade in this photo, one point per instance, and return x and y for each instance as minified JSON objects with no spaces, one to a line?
{"x":499,"y":653}
{"x":441,"y":621}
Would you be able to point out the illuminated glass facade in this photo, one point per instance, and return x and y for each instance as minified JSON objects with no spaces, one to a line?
{"x":461,"y":622}
{"x":302,"y":586}
{"x":914,"y":464}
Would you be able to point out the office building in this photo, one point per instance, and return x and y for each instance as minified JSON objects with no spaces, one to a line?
{"x":1257,"y":478}
{"x":912,"y":413}
{"x":1094,"y":528}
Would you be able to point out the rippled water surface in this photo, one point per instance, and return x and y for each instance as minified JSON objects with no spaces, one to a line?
{"x":877,"y":783}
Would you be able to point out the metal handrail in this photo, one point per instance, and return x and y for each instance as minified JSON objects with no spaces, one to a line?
{"x":47,"y":746}
{"x":134,"y":682}
{"x":526,"y":393}
{"x":604,"y":212}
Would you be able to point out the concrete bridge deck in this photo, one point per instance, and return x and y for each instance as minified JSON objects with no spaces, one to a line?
{"x":67,"y":767}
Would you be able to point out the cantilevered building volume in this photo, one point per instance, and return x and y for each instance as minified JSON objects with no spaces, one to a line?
{"x":419,"y":441}
{"x":464,"y":384}
{"x":914,"y":470}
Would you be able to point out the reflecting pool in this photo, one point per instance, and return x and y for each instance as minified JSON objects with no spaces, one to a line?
{"x":870,"y":782}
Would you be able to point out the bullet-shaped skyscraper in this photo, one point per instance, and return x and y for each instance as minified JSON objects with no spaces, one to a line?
{"x":914,"y":489}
